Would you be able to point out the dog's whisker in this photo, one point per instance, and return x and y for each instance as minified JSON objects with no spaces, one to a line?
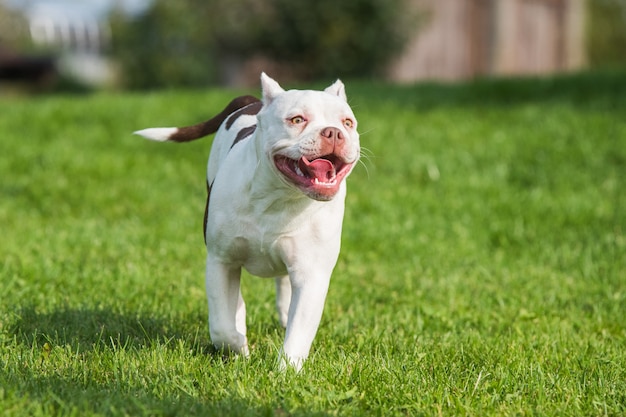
{"x":366,"y":152}
{"x":366,"y":132}
{"x":366,"y":157}
{"x":367,"y":171}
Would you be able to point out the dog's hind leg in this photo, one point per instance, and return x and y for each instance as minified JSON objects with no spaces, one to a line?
{"x":226,"y":307}
{"x":283,"y":299}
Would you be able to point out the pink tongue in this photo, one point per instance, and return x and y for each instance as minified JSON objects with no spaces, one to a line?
{"x":322,"y":169}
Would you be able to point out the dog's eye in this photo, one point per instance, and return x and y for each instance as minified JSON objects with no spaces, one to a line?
{"x":348,"y":123}
{"x":297,"y":120}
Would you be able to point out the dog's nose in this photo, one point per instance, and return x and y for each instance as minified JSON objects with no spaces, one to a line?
{"x":332,"y":134}
{"x":332,"y":141}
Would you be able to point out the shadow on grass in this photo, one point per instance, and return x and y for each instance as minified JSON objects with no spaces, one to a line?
{"x":85,"y":329}
{"x":55,"y":395}
{"x":96,"y":330}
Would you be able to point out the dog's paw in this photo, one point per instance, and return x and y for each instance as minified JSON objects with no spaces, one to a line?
{"x":286,"y":363}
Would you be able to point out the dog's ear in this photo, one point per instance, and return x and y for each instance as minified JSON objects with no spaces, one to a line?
{"x":337,"y":89}
{"x":270,"y":88}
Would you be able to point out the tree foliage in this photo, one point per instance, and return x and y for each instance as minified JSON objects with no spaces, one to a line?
{"x":329,"y":37}
{"x":189,"y":42}
{"x":167,"y":46}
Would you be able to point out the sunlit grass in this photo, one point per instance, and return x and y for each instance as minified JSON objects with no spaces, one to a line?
{"x":482,"y":268}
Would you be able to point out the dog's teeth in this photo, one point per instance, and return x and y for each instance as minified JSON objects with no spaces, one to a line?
{"x":298,"y":170}
{"x":318,"y":182}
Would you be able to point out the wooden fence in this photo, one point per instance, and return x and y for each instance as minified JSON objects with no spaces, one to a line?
{"x":461,"y":39}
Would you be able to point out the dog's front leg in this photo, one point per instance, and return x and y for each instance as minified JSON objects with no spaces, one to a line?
{"x":305,"y":312}
{"x":227,"y":310}
{"x":283,"y":299}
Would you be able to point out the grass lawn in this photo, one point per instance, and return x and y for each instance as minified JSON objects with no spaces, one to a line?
{"x":483,"y":266}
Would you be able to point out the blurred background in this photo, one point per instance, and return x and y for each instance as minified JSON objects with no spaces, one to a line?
{"x":148,"y":44}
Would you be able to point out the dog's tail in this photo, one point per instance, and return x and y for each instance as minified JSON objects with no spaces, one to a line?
{"x":189,"y":133}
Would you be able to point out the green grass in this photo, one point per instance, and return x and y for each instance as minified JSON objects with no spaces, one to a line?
{"x":483,"y":267}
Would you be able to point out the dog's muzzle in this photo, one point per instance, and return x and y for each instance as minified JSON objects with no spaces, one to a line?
{"x":318,"y":178}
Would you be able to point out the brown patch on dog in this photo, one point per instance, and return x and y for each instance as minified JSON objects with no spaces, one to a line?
{"x":245,"y":105}
{"x":206,"y":209}
{"x":243,"y":133}
{"x":189,"y":133}
{"x":249,"y":110}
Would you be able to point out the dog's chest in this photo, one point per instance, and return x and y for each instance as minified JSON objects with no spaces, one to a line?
{"x":253,"y":244}
{"x":268,"y":243}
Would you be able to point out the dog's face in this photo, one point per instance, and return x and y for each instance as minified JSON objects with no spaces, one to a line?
{"x":310,"y":137}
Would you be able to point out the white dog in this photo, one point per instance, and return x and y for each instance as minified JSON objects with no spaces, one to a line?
{"x":275,"y":205}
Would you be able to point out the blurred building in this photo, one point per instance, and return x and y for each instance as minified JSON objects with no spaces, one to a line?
{"x":460,"y":39}
{"x":79,"y":36}
{"x":76,"y":32}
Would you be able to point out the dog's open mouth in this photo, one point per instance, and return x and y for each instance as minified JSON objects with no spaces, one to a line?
{"x":319,"y":178}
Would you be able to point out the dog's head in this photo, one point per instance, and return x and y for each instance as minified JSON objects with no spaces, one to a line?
{"x":310,"y":137}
